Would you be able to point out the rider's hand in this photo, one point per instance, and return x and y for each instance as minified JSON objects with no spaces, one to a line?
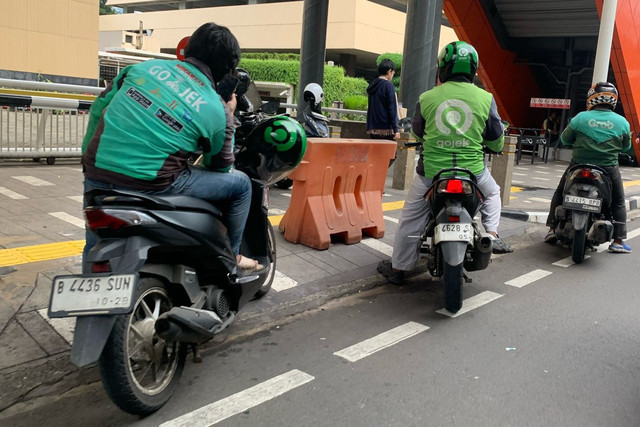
{"x":396,"y":136}
{"x":233,"y":103}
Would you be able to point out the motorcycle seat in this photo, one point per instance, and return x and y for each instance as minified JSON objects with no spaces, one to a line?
{"x":191,"y":203}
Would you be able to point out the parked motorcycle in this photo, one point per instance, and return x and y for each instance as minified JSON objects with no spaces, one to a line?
{"x":452,"y":240}
{"x":164,"y":277}
{"x":583,"y":219}
{"x":315,"y":124}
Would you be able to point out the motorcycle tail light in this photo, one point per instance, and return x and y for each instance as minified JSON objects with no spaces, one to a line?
{"x":586,"y":173}
{"x":454,"y":218}
{"x":101,"y":267}
{"x":455,"y":186}
{"x":115,"y":219}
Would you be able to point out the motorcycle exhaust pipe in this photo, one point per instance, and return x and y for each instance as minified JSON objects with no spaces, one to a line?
{"x":190,"y":325}
{"x":481,"y":253}
{"x":601,"y":231}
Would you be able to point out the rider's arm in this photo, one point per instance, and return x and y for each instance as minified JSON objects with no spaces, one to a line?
{"x":223,"y":160}
{"x":418,"y":124}
{"x":493,"y":135}
{"x":626,"y":142}
{"x":392,"y":107}
{"x":568,"y":136}
{"x":100,"y":103}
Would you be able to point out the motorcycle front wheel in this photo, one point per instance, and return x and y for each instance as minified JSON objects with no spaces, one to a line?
{"x":453,"y":278}
{"x":579,"y":246}
{"x":140,"y":370}
{"x":272,"y":268}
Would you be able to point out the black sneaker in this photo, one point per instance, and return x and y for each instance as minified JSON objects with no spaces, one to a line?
{"x":551,"y":238}
{"x":395,"y":277}
{"x":500,"y":246}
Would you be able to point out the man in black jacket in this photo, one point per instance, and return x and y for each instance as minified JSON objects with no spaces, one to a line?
{"x":382,"y":113}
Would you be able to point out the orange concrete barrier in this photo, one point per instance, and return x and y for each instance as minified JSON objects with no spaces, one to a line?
{"x":337,"y":191}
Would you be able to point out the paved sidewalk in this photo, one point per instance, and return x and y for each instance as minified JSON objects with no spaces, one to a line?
{"x":41,"y":205}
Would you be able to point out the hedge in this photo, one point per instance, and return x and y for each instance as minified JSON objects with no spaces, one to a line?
{"x":336,"y":85}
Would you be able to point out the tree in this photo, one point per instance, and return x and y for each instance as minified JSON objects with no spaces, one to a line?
{"x":106,"y":10}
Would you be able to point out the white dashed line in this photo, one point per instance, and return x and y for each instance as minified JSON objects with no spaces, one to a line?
{"x":32,"y":180}
{"x":286,"y":195}
{"x":242,"y":401}
{"x":378,"y":246}
{"x":528,"y":278}
{"x":65,"y":326}
{"x":540,"y":199}
{"x":282,"y":282}
{"x":472,"y":303}
{"x":541,"y":179}
{"x":68,"y":218}
{"x":380,"y":342}
{"x":388,"y":218}
{"x":78,"y":199}
{"x":12,"y":194}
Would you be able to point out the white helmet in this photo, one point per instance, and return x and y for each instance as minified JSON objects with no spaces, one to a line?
{"x":314,"y":95}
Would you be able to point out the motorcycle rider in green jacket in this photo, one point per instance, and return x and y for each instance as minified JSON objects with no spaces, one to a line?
{"x":453,"y":121}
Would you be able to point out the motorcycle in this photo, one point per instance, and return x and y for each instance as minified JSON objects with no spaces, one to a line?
{"x":163,"y":275}
{"x":583,"y":219}
{"x":452,"y":241}
{"x":316,"y":125}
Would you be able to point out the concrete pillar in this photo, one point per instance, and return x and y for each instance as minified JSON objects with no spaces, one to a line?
{"x":312,"y":48}
{"x":422,"y":32}
{"x":502,"y":168}
{"x":405,"y":165}
{"x":605,"y":39}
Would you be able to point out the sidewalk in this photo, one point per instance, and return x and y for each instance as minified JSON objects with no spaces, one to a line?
{"x":41,"y":205}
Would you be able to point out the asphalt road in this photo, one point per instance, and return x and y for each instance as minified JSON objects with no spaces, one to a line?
{"x":554,"y":344}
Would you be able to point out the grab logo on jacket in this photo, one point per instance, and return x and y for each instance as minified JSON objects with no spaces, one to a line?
{"x":453,"y":115}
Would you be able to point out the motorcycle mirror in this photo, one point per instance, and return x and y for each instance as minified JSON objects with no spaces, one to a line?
{"x":271,"y":107}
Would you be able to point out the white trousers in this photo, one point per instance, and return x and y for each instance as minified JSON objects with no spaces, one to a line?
{"x":416,"y":213}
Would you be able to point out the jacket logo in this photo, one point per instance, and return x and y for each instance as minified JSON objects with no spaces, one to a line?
{"x":454,"y":115}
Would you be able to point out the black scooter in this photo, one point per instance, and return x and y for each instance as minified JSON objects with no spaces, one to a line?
{"x":164,"y":277}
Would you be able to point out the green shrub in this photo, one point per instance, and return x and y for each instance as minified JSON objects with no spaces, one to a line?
{"x":269,"y":55}
{"x":356,"y":102}
{"x":336,"y":85}
{"x":395,"y":57}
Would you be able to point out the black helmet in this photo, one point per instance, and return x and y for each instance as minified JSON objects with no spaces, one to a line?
{"x":215,"y":46}
{"x":457,"y":59}
{"x":603,"y":93}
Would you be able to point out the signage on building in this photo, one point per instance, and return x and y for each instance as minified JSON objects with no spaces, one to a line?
{"x":550,"y":103}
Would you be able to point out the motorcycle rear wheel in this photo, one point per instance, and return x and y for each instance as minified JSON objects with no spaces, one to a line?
{"x":272,"y":268}
{"x":579,"y":246}
{"x":453,"y":279}
{"x":139,"y":370}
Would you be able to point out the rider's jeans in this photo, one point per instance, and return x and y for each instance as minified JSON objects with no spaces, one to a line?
{"x":618,"y":206}
{"x":233,"y":186}
{"x":416,"y":213}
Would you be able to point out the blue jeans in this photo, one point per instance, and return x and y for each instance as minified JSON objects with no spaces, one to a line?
{"x":233,"y":186}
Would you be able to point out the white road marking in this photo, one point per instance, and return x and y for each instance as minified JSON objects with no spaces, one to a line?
{"x":32,"y":180}
{"x":378,"y":246}
{"x":381,"y":341}
{"x":286,"y":195}
{"x":540,"y":199}
{"x":634,"y":233}
{"x":388,"y":218}
{"x":78,"y":199}
{"x":65,"y":326}
{"x":528,"y":278}
{"x":542,"y":172}
{"x":12,"y":194}
{"x":520,"y":174}
{"x":68,"y":218}
{"x":235,"y":404}
{"x":282,"y":282}
{"x":541,"y":179}
{"x":472,"y":303}
{"x":517,"y":182}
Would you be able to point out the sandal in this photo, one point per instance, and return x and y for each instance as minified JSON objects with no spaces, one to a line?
{"x":248,"y":264}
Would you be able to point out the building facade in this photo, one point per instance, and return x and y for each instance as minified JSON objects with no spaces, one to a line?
{"x":55,"y":40}
{"x":357,"y":30}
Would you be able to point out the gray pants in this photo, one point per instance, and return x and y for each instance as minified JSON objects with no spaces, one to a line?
{"x":416,"y":213}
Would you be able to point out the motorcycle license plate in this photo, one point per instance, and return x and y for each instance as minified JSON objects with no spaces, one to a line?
{"x":85,"y":295}
{"x":582,"y":203}
{"x":453,"y":232}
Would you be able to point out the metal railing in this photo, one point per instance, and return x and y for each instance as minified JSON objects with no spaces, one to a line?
{"x":42,"y":126}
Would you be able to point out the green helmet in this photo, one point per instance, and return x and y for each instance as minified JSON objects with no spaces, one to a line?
{"x":457,"y":59}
